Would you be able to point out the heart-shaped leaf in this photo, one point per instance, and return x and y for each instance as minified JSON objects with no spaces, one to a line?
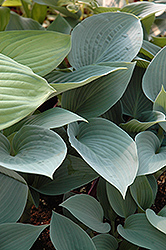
{"x":111,"y":36}
{"x":151,"y":155}
{"x":21,"y":91}
{"x":34,"y":150}
{"x":140,"y":232}
{"x":87,"y":210}
{"x":23,"y":47}
{"x":22,"y":236}
{"x":105,"y":241}
{"x":157,"y":221}
{"x":66,"y":235}
{"x":13,"y":195}
{"x":154,"y":75}
{"x":107,"y":149}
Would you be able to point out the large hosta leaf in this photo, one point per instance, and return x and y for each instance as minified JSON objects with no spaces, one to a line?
{"x":157,"y":221}
{"x":66,"y":235}
{"x":143,"y":9}
{"x":21,"y":91}
{"x":34,"y":150}
{"x":88,"y":210}
{"x":98,"y":96}
{"x":154,"y":76}
{"x":13,"y":195}
{"x":107,"y":149}
{"x":151,"y":155}
{"x":105,"y":37}
{"x":17,"y":236}
{"x":105,"y":242}
{"x":140,"y":232}
{"x":23,"y":46}
{"x":63,"y":81}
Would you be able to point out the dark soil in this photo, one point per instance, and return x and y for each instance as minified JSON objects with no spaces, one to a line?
{"x":42,"y":214}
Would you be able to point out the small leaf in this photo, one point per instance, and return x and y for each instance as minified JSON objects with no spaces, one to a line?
{"x":105,"y":242}
{"x":107,"y":149}
{"x":159,"y":41}
{"x":39,"y":12}
{"x":140,"y":232}
{"x":160,"y":102}
{"x":123,"y":207}
{"x":4,"y":17}
{"x":158,"y":222}
{"x":151,"y":155}
{"x":66,"y":235}
{"x":87,"y":210}
{"x":23,"y":47}
{"x":22,"y":236}
{"x":35,"y":149}
{"x":13,"y":195}
{"x":149,"y":49}
{"x":60,"y":25}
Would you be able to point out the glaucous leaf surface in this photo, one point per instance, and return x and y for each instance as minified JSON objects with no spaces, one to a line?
{"x":105,"y":242}
{"x":139,"y":231}
{"x":154,"y":75}
{"x":60,"y":25}
{"x":111,"y":36}
{"x":18,"y":236}
{"x":73,"y":173}
{"x":13,"y":195}
{"x":87,"y":210}
{"x":123,"y":207}
{"x":98,"y":96}
{"x":17,"y":22}
{"x":63,"y":81}
{"x":157,"y":221}
{"x":21,"y":90}
{"x":107,"y":149}
{"x":23,"y":47}
{"x":34,"y":150}
{"x":143,"y":9}
{"x":4,"y":17}
{"x":66,"y":235}
{"x":150,"y":153}
{"x":142,"y":193}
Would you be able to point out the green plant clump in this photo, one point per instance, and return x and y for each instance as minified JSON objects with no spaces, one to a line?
{"x":105,"y":70}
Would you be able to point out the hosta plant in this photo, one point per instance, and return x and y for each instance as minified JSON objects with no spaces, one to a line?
{"x":83,"y":101}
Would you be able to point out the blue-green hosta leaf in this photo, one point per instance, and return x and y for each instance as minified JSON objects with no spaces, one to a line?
{"x":143,"y":9}
{"x":23,"y":47}
{"x":149,"y":49}
{"x":153,"y":183}
{"x":154,"y":76}
{"x":21,"y":91}
{"x":73,"y":173}
{"x":60,"y":25}
{"x":100,"y":95}
{"x":66,"y":235}
{"x":148,"y":119}
{"x":18,"y":22}
{"x":134,"y":101}
{"x":87,"y":210}
{"x":4,"y":17}
{"x":13,"y":195}
{"x":105,"y":37}
{"x":140,"y":232}
{"x":35,"y":149}
{"x":105,"y":242}
{"x":107,"y":149}
{"x":157,"y":221}
{"x":142,"y":193}
{"x":160,"y":102}
{"x":62,"y":81}
{"x":123,"y":207}
{"x":18,"y":236}
{"x":151,"y":155}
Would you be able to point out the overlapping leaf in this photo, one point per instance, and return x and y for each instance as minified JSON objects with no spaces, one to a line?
{"x":140,"y":232}
{"x":34,"y":150}
{"x":60,"y":25}
{"x":23,"y":47}
{"x":151,"y":155}
{"x":149,"y":49}
{"x":157,"y":221}
{"x":21,"y":91}
{"x":105,"y":37}
{"x":107,"y":149}
{"x":13,"y":195}
{"x":105,"y":241}
{"x":4,"y":17}
{"x":87,"y":210}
